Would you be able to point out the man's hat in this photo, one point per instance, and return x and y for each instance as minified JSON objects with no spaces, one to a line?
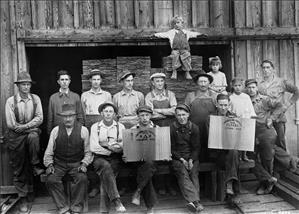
{"x":250,"y":81}
{"x":202,"y":73}
{"x":94,"y":72}
{"x":158,"y":74}
{"x":144,"y":108}
{"x":125,"y":73}
{"x":184,"y":107}
{"x":104,"y":105}
{"x":23,"y":77}
{"x":68,"y":110}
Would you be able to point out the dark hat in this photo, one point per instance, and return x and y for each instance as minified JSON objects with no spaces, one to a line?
{"x":124,"y":74}
{"x":68,"y":109}
{"x":249,"y":81}
{"x":104,"y":105}
{"x":23,"y":77}
{"x":184,"y":107}
{"x":144,"y":108}
{"x":202,"y":74}
{"x":94,"y":72}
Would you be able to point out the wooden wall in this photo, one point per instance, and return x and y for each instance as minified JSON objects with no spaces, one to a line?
{"x":256,"y":29}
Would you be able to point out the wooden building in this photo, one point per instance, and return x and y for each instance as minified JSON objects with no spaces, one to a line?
{"x":43,"y":36}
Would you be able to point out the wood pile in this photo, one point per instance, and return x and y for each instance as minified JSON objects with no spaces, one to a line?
{"x":196,"y":63}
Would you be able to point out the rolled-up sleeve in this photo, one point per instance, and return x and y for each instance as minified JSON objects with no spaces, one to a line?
{"x":289,"y":87}
{"x":87,"y":153}
{"x":95,"y":146}
{"x":49,"y":153}
{"x":38,"y":115}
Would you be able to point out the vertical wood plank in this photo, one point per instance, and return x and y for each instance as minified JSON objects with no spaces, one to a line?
{"x":270,"y":13}
{"x":240,"y":13}
{"x":163,"y":13}
{"x":183,"y":8}
{"x":44,"y":14}
{"x":220,"y":13}
{"x":126,"y":13}
{"x":240,"y":59}
{"x":23,"y":14}
{"x":34,"y":14}
{"x":66,"y":14}
{"x":254,"y":59}
{"x":200,"y":13}
{"x":55,"y":14}
{"x":271,"y":52}
{"x":286,"y":13}
{"x":146,"y":13}
{"x":76,"y":13}
{"x":86,"y":14}
{"x":136,"y":13}
{"x":296,"y":13}
{"x":253,"y":13}
{"x":108,"y":11}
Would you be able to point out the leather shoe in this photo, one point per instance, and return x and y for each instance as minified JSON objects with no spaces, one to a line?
{"x":261,"y":190}
{"x":136,"y":198}
{"x":119,"y":207}
{"x":191,"y":207}
{"x":271,"y":182}
{"x":37,"y":171}
{"x":23,"y":206}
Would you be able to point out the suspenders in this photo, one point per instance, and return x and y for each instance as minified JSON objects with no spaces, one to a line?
{"x":16,"y":109}
{"x":117,"y":131}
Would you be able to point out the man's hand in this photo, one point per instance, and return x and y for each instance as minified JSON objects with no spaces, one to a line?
{"x":82,"y":168}
{"x":203,"y":35}
{"x":269,"y":123}
{"x":50,"y":169}
{"x":115,"y":148}
{"x":20,"y":128}
{"x":185,"y":163}
{"x":190,"y":164}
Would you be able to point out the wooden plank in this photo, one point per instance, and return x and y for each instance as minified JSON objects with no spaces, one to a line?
{"x":55,"y":13}
{"x":270,"y":13}
{"x":286,"y":13}
{"x":239,"y":11}
{"x":66,"y":13}
{"x":271,"y":52}
{"x":240,"y":59}
{"x":76,"y":14}
{"x":219,"y":13}
{"x":183,"y":8}
{"x":296,"y":13}
{"x":125,"y":14}
{"x":8,"y":190}
{"x":23,"y":14}
{"x":86,"y":14}
{"x":253,"y":13}
{"x":146,"y":13}
{"x":34,"y":14}
{"x":287,"y":195}
{"x":254,"y":59}
{"x":163,"y":12}
{"x":107,"y":13}
{"x":200,"y":13}
{"x":41,"y":14}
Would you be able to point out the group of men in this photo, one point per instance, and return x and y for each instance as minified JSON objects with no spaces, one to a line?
{"x":72,"y":147}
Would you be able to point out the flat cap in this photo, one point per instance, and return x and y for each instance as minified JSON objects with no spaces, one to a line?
{"x":125,"y":73}
{"x":104,"y":105}
{"x":184,"y":107}
{"x":144,"y":108}
{"x":250,"y":81}
{"x":160,"y":74}
{"x":94,"y":72}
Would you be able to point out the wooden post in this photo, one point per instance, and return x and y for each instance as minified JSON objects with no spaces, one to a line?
{"x":296,"y":64}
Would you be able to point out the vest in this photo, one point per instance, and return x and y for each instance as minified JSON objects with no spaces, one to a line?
{"x":69,"y":149}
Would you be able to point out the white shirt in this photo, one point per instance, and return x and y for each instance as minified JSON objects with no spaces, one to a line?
{"x":241,"y":105}
{"x":91,"y":100}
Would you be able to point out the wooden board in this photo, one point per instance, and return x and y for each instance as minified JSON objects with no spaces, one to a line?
{"x":231,"y":133}
{"x":196,"y":63}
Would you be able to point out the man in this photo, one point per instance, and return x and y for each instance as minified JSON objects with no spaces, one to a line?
{"x":24,"y":115}
{"x":275,"y":88}
{"x":185,"y":145}
{"x":64,"y":96}
{"x":68,"y":153}
{"x":106,"y":145}
{"x":202,"y":103}
{"x":267,"y":111}
{"x":128,"y":100}
{"x":227,"y":159}
{"x":91,"y":100}
{"x":145,"y":170}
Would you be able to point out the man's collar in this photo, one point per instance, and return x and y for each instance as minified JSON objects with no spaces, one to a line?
{"x":62,"y":93}
{"x":123,"y":92}
{"x":178,"y":125}
{"x":96,"y":92}
{"x":157,"y":93}
{"x":19,"y":98}
{"x":151,"y":125}
{"x":101,"y":123}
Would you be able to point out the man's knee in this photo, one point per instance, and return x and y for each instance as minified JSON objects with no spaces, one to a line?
{"x":33,"y":136}
{"x":101,"y":165}
{"x":81,"y":178}
{"x":52,"y":179}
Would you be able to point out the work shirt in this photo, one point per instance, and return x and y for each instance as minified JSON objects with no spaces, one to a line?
{"x":55,"y":107}
{"x":49,"y":154}
{"x":91,"y":100}
{"x":128,"y":103}
{"x":219,"y":81}
{"x":171,"y":34}
{"x":265,"y":108}
{"x":101,"y":135}
{"x":185,"y":141}
{"x":241,"y":105}
{"x":26,"y":111}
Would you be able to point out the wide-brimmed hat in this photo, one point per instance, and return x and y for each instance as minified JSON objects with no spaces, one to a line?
{"x":202,"y":73}
{"x":158,"y":74}
{"x":144,"y":108}
{"x":94,"y":72}
{"x":184,"y":107}
{"x":125,"y":73}
{"x":250,"y":81}
{"x":23,"y":77}
{"x":68,"y":110}
{"x":102,"y":106}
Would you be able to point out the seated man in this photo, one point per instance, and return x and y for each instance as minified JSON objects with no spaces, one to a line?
{"x":145,"y":169}
{"x":226,"y":159}
{"x":185,"y":146}
{"x":106,"y":145}
{"x":68,"y":153}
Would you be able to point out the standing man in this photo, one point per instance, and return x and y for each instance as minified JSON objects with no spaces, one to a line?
{"x":92,"y":99}
{"x":106,"y":145}
{"x":64,"y":96}
{"x":267,"y":111}
{"x":145,"y":169}
{"x":128,"y":100}
{"x":202,"y":103}
{"x":275,"y":88}
{"x":68,"y":153}
{"x":185,"y":145}
{"x":24,"y":115}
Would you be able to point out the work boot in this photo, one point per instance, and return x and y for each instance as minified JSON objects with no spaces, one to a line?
{"x":229,"y":188}
{"x":188,"y":76}
{"x":174,"y":74}
{"x":261,"y":190}
{"x":136,"y":197}
{"x":119,"y":207}
{"x":191,"y":207}
{"x":149,"y":210}
{"x":93,"y":192}
{"x":23,"y":206}
{"x":271,"y":182}
{"x":37,"y":171}
{"x":198,"y":206}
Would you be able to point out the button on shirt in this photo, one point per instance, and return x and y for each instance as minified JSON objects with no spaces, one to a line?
{"x":265,"y":108}
{"x":151,"y":96}
{"x":127,"y":103}
{"x":100,"y":134}
{"x":26,"y":114}
{"x":91,"y":100}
